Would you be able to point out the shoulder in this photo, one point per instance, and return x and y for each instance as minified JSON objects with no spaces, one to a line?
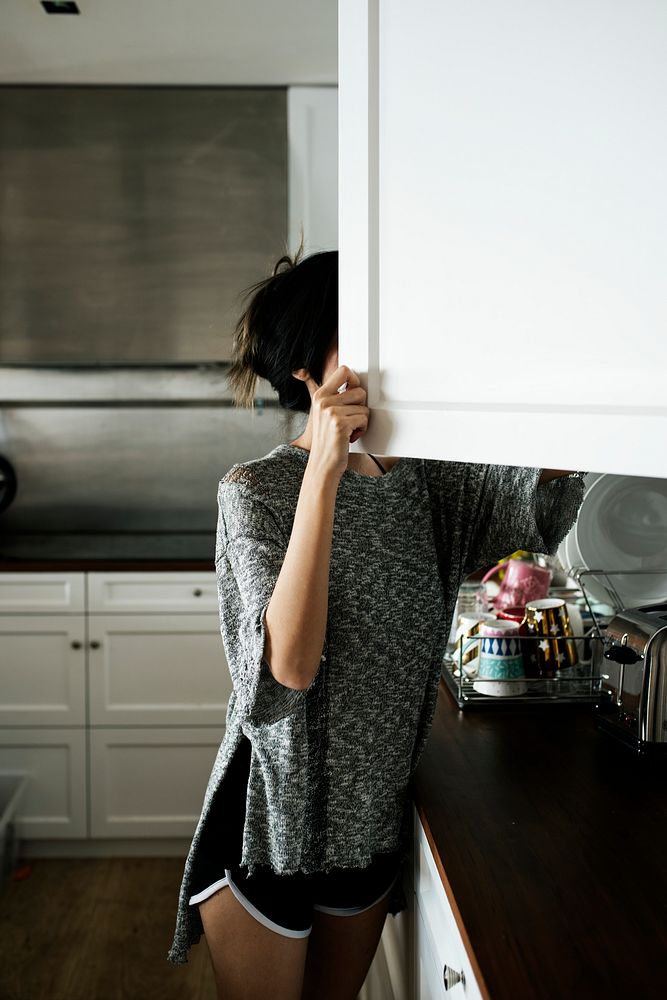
{"x":262,"y":477}
{"x":256,"y":496}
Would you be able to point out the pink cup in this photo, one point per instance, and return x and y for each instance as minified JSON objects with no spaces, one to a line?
{"x":523,"y":582}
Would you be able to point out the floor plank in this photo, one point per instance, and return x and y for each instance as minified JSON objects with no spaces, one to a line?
{"x":97,"y":929}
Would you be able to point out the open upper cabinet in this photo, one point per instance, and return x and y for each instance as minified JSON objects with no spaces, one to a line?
{"x":502,"y":223}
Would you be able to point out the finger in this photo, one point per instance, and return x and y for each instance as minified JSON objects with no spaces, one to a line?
{"x":339,"y":377}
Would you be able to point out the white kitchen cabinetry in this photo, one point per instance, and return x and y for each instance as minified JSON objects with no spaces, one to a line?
{"x":43,"y":670}
{"x":42,"y":593}
{"x":43,"y":699}
{"x":54,"y":804}
{"x":442,"y":964}
{"x":421,"y":954}
{"x":149,"y":782}
{"x":160,"y":670}
{"x":502,"y":211}
{"x":113,"y":696}
{"x":162,"y":593}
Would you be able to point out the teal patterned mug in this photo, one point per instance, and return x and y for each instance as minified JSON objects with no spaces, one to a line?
{"x":501,"y":670}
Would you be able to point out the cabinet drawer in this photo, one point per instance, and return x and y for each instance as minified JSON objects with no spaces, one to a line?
{"x":41,"y":593}
{"x":438,"y":918}
{"x":152,"y":592}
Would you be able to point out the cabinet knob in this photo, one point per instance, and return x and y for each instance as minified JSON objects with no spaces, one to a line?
{"x":197,"y":592}
{"x":94,"y":644}
{"x":451,"y":977}
{"x":75,"y":644}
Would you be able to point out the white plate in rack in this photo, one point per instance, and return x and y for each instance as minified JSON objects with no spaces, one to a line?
{"x":622,"y":525}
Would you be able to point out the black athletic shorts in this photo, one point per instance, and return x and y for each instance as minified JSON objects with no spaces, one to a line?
{"x":284,"y":903}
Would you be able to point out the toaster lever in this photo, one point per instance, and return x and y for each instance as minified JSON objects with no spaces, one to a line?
{"x":622,"y":654}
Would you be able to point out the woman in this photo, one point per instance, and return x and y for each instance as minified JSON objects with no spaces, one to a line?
{"x":337,"y":574}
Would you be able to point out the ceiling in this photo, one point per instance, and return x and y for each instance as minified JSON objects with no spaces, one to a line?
{"x":223,"y":42}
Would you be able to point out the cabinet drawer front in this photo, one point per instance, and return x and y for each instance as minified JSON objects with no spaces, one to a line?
{"x":152,"y":592}
{"x":41,"y":593}
{"x":438,"y":918}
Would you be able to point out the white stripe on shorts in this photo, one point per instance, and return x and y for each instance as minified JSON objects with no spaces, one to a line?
{"x":257,"y":914}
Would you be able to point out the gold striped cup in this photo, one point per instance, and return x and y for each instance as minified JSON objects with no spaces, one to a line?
{"x":469,"y":627}
{"x":548,"y":621}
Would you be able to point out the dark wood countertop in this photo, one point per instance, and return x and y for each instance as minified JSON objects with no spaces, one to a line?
{"x":550,"y":839}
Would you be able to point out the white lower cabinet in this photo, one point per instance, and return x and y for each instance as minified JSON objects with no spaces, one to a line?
{"x":157,"y":670}
{"x":54,"y":804}
{"x":113,"y":698}
{"x":42,"y":670}
{"x":442,"y":964}
{"x":149,"y":782}
{"x":421,"y":955}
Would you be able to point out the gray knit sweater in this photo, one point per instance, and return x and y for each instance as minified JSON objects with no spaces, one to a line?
{"x":330,"y":765}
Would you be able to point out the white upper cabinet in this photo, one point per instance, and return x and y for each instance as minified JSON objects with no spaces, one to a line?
{"x":502,"y":229}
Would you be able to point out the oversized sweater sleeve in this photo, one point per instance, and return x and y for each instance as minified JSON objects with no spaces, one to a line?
{"x":484,"y":512}
{"x":250,"y":549}
{"x":510,"y":509}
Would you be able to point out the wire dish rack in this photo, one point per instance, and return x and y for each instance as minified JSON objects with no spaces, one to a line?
{"x":581,"y":683}
{"x":578,"y":683}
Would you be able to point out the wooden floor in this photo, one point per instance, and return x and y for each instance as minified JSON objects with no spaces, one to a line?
{"x":97,"y":929}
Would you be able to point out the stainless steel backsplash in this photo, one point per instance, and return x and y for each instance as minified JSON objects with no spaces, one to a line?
{"x":132,"y":220}
{"x":133,"y":217}
{"x":135,"y":449}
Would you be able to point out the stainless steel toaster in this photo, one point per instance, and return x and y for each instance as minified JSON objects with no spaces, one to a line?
{"x":631,"y":661}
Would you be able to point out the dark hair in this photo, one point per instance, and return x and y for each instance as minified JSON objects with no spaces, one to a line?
{"x":290,"y":322}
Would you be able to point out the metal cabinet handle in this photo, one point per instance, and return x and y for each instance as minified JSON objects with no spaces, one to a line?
{"x":75,"y":644}
{"x":94,"y":644}
{"x":451,"y":977}
{"x":197,"y":592}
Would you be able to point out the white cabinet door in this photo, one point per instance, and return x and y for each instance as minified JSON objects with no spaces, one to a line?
{"x":149,"y":782}
{"x":157,"y":670}
{"x":443,"y":965}
{"x":502,"y":211}
{"x":54,"y":804}
{"x":42,"y":670}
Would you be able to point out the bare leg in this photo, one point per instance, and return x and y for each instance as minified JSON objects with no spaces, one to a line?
{"x":340,"y":952}
{"x":250,"y":961}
